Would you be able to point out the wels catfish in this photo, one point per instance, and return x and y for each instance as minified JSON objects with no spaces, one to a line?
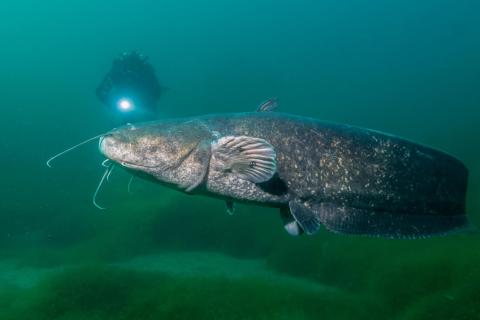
{"x":350,"y":180}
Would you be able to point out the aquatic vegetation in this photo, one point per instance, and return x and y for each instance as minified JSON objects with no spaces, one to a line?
{"x":406,"y":277}
{"x":97,"y":292}
{"x":410,"y":285}
{"x":445,"y":305}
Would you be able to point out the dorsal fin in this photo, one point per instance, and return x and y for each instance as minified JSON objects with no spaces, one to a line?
{"x":268,"y":106}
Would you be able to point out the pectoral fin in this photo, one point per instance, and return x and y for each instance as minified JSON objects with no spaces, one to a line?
{"x":250,"y":158}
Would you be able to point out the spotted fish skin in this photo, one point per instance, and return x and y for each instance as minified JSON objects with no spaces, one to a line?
{"x":350,"y":179}
{"x":328,"y":162}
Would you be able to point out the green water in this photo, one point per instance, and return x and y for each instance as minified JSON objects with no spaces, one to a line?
{"x":408,"y":68}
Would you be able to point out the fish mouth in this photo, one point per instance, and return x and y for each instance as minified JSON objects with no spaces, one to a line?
{"x":101,"y":145}
{"x":104,"y":149}
{"x":130,"y":165}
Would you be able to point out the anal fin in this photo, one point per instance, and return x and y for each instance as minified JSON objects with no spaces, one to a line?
{"x":396,"y":225}
{"x":369,"y":222}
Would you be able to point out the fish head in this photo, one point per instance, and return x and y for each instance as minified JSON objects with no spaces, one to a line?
{"x":174,"y":152}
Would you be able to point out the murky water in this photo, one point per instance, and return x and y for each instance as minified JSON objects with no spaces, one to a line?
{"x":410,"y":69}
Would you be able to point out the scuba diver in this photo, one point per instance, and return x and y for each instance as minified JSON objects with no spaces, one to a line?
{"x":130,"y":90}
